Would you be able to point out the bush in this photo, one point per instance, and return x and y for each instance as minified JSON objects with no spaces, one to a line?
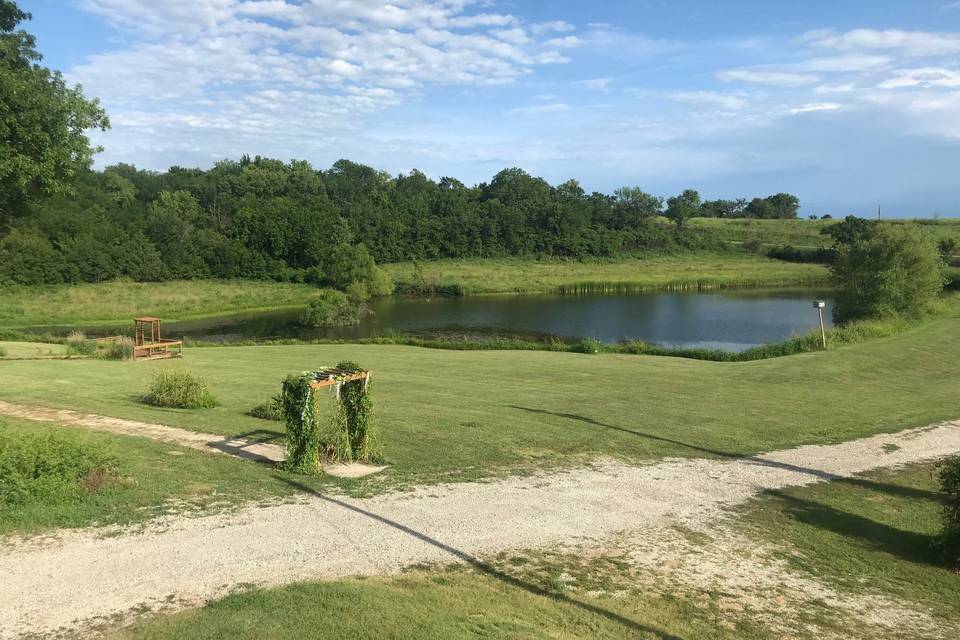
{"x":890,"y":271}
{"x":272,"y":409}
{"x":752,"y":245}
{"x":51,"y":470}
{"x":180,"y":390}
{"x":332,"y":309}
{"x":950,"y":486}
{"x":809,"y":255}
{"x":120,"y":348}
{"x":78,"y":345}
{"x":3,"y":352}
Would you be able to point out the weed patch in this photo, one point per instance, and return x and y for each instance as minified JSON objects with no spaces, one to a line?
{"x":180,"y":390}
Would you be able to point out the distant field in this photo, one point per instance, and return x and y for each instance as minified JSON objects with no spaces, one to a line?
{"x":805,"y":233}
{"x":680,"y":271}
{"x":110,"y":302}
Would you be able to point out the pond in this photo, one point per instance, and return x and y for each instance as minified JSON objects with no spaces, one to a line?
{"x":733,"y":320}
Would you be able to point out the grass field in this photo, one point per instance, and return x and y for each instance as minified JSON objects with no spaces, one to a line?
{"x":875,"y":534}
{"x":154,"y":479}
{"x":680,"y":271}
{"x":109,"y":302}
{"x":449,"y":415}
{"x":804,"y":233}
{"x":30,"y":349}
{"x":869,"y":536}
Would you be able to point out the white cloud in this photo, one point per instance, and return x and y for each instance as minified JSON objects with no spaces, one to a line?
{"x":713,"y":99}
{"x":316,"y":65}
{"x":815,"y":106}
{"x":595,"y":84}
{"x":910,"y":43}
{"x":923,"y":77}
{"x":541,"y":108}
{"x":770,"y":77}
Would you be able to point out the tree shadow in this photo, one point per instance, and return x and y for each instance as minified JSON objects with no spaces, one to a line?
{"x":261,"y":436}
{"x":490,"y":570}
{"x":892,"y":489}
{"x":908,"y":545}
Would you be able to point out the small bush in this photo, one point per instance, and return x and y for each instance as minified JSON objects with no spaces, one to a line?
{"x":752,"y":245}
{"x":269,"y":410}
{"x":3,"y":352}
{"x":50,"y":470}
{"x":180,"y":390}
{"x":120,"y":348}
{"x":79,"y":345}
{"x":332,"y":309}
{"x":588,"y":345}
{"x":950,"y":486}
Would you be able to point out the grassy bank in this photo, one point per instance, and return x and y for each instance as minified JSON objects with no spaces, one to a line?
{"x":467,"y":414}
{"x":866,"y":536}
{"x":110,"y":302}
{"x":681,"y":271}
{"x":805,"y":233}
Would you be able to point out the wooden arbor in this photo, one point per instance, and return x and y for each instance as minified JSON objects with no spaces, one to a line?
{"x":333,"y":376}
{"x":147,"y":343}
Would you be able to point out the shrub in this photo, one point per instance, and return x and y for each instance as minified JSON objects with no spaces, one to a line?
{"x":78,"y":345}
{"x":52,"y":470}
{"x":789,"y":253}
{"x":588,"y":345}
{"x":331,"y":309}
{"x":120,"y":348}
{"x":890,"y":271}
{"x":950,"y":486}
{"x":179,"y":389}
{"x":752,"y":245}
{"x":272,"y":409}
{"x":3,"y":352}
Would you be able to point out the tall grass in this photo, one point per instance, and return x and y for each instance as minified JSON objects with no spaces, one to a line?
{"x":79,"y":345}
{"x":179,"y":389}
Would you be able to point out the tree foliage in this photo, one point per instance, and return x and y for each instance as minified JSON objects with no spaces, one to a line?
{"x":891,"y":271}
{"x":43,"y":121}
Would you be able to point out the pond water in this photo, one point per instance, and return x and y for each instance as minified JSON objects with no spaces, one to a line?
{"x":732,"y":320}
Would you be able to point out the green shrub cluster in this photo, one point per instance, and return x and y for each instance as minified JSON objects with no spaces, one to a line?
{"x":3,"y":352}
{"x":272,"y":409}
{"x":78,"y":345}
{"x":179,"y":389}
{"x":50,"y":470}
{"x":950,"y":486}
{"x":332,"y":308}
{"x":120,"y":348}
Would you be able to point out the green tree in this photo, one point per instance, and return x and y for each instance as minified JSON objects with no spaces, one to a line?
{"x":683,"y":207}
{"x":893,"y":271}
{"x":42,"y":121}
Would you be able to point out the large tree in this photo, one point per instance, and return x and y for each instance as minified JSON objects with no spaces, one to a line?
{"x":43,"y":121}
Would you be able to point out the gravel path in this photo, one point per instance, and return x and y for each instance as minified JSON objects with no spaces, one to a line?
{"x":75,"y":577}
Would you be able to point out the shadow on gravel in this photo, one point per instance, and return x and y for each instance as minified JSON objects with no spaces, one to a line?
{"x":488,"y":569}
{"x":892,"y":489}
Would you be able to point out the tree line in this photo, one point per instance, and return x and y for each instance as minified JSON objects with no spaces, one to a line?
{"x":264,"y":218}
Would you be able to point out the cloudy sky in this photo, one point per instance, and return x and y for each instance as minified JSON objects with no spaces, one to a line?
{"x":850,"y":105}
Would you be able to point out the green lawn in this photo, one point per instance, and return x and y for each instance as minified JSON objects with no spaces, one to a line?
{"x":30,"y":349}
{"x":874,"y":534}
{"x":111,"y":302}
{"x":154,"y":479}
{"x":870,"y":535}
{"x":466,"y":414}
{"x":680,"y":271}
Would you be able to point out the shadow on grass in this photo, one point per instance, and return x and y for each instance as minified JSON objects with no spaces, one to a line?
{"x":908,"y":545}
{"x":488,"y":569}
{"x":261,"y":436}
{"x":892,"y":489}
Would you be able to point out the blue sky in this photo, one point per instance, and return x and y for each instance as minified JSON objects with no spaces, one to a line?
{"x":849,"y":105}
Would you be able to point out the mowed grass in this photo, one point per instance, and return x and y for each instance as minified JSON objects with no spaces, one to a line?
{"x":454,"y":415}
{"x":16,"y":350}
{"x":874,"y":534}
{"x":678,"y":271}
{"x":868,"y":535}
{"x":110,"y":302}
{"x":152,"y":479}
{"x":805,"y":233}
